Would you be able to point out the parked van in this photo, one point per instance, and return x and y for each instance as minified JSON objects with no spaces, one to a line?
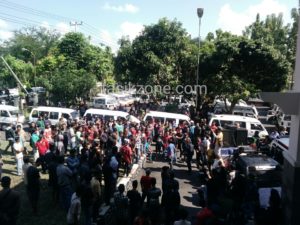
{"x":110,"y":115}
{"x":241,"y":109}
{"x":10,"y":115}
{"x":105,"y":102}
{"x":251,"y":124}
{"x":53,"y":113}
{"x":165,"y":117}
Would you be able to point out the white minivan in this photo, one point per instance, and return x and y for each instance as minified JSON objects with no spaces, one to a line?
{"x":251,"y":124}
{"x":53,"y":113}
{"x":110,"y":115}
{"x":166,"y":117}
{"x":105,"y":102}
{"x":10,"y":115}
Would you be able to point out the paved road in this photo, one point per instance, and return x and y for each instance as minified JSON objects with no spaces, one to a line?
{"x":188,"y":184}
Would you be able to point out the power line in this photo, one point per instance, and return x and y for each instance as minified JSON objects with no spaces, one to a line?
{"x":75,"y":24}
{"x":89,"y":29}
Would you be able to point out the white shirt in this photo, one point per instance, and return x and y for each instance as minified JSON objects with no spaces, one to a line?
{"x":18,"y":147}
{"x":74,"y":210}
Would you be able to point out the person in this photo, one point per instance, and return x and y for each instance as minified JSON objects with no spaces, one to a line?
{"x":135,"y":200}
{"x":121,"y":203}
{"x":42,"y":146}
{"x":153,"y":202}
{"x":1,"y":165}
{"x":64,"y":181}
{"x":9,"y":203}
{"x":10,"y":137}
{"x":171,"y":151}
{"x":33,"y":187}
{"x":18,"y":149}
{"x":25,"y":167}
{"x":189,"y":152}
{"x":33,"y":140}
{"x":73,"y":216}
{"x":96,"y":189}
{"x":143,"y":218}
{"x":218,"y":141}
{"x":274,"y":213}
{"x":183,"y":215}
{"x":126,"y":152}
{"x":145,"y":184}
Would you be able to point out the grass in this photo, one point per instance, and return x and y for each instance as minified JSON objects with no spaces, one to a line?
{"x":48,"y":212}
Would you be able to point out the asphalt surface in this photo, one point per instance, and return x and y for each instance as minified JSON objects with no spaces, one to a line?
{"x":188,"y":183}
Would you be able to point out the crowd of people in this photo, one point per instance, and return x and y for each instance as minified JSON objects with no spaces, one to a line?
{"x":84,"y":159}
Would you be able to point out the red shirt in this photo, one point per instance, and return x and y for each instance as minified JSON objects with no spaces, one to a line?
{"x":126,"y":153}
{"x":42,"y":146}
{"x":203,"y":215}
{"x":146,"y":183}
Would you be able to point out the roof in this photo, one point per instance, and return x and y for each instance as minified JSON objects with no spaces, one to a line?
{"x":8,"y":107}
{"x":58,"y":109}
{"x":106,"y":112}
{"x":229,"y":117}
{"x":258,"y":160}
{"x":168,"y":115}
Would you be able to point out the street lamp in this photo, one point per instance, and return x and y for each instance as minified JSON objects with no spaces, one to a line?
{"x":34,"y":62}
{"x":200,"y":14}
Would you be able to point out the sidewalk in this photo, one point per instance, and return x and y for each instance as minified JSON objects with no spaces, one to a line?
{"x":105,"y":215}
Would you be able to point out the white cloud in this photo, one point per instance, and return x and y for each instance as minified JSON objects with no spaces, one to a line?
{"x":121,"y":8}
{"x":130,"y":29}
{"x":230,"y":20}
{"x":63,"y":28}
{"x":5,"y":35}
{"x":4,"y":32}
{"x":3,"y":24}
{"x":46,"y":25}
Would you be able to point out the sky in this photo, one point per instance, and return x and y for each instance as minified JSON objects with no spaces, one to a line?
{"x":106,"y":21}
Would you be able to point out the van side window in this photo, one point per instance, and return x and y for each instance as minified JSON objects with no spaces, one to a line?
{"x":4,"y":113}
{"x":216,"y":122}
{"x":53,"y":115}
{"x":182,"y":121}
{"x":160,"y":119}
{"x":65,"y":115}
{"x":108,"y":118}
{"x":241,"y":124}
{"x":35,"y":114}
{"x":149,"y":118}
{"x":256,"y":126}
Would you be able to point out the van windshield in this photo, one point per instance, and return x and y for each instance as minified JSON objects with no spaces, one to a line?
{"x":14,"y":113}
{"x":100,"y":101}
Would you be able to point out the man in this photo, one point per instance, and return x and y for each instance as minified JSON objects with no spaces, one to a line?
{"x":73,"y":216}
{"x":42,"y":146}
{"x":18,"y":149}
{"x":64,"y":181}
{"x":126,"y":152}
{"x":33,"y":187}
{"x":135,"y":200}
{"x":121,"y":206}
{"x":189,"y":152}
{"x":153,"y":202}
{"x":145,"y":184}
{"x":10,"y":137}
{"x":25,"y":167}
{"x":218,"y":141}
{"x":9,"y":203}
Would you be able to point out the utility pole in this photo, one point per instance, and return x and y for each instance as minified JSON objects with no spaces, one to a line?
{"x":75,"y":24}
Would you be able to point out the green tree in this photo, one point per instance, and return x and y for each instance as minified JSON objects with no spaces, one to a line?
{"x":68,"y":84}
{"x":163,"y":54}
{"x":236,"y":68}
{"x":21,"y":69}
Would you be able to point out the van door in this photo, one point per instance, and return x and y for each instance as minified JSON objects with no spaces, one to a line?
{"x":54,"y":117}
